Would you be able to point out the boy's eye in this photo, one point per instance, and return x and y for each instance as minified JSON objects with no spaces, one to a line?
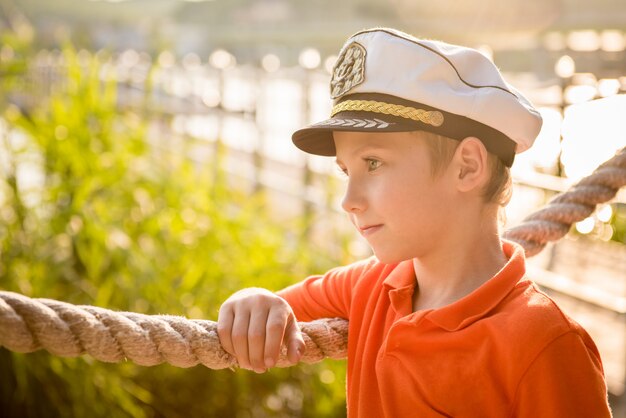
{"x":372,"y":164}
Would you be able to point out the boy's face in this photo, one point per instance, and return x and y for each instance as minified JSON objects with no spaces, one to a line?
{"x":391,"y":197}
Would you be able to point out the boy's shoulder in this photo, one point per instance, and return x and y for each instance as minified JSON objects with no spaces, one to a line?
{"x":530,"y":305}
{"x":532,"y":320}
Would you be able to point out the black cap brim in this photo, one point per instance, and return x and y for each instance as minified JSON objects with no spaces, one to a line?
{"x":318,"y":138}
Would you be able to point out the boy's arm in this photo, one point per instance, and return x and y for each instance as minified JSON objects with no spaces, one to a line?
{"x":565,"y":380}
{"x":326,"y":296}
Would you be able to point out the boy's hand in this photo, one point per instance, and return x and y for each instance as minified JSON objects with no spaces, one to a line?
{"x":253,"y":324}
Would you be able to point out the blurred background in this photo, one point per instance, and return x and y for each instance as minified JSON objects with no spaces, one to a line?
{"x":146,"y":165}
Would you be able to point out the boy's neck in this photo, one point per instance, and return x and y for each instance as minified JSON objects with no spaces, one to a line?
{"x":458,"y":266}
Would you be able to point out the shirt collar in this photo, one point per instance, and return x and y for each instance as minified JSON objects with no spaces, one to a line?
{"x":480,"y":302}
{"x":401,"y":284}
{"x":402,"y":276}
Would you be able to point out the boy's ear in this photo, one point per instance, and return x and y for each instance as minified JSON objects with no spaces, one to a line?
{"x":471,"y":165}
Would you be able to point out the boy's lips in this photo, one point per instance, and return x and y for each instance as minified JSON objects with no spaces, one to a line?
{"x":369,"y":229}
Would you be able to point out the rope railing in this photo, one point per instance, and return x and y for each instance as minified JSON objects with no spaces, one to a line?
{"x":67,"y":330}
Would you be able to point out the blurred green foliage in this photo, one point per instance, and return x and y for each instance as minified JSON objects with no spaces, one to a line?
{"x":91,"y":213}
{"x":618,"y":222}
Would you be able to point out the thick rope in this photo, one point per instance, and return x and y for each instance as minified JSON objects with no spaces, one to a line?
{"x":554,"y":220}
{"x":67,"y":330}
{"x":28,"y":325}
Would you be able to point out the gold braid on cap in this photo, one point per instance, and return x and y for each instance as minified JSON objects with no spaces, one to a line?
{"x":430,"y":117}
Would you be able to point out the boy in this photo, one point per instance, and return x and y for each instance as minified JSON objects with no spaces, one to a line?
{"x":443,"y":322}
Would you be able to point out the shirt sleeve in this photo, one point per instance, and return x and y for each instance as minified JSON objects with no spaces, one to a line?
{"x":565,"y":380}
{"x":325,"y":296}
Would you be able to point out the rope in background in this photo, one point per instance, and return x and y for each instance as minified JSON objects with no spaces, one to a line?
{"x":555,"y":219}
{"x":67,"y":330}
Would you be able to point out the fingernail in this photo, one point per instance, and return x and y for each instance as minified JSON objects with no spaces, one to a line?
{"x":269,"y":363}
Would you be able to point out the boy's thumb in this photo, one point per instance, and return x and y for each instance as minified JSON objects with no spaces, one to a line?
{"x":295,"y":342}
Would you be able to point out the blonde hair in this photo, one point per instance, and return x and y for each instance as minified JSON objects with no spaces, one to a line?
{"x":442,"y":148}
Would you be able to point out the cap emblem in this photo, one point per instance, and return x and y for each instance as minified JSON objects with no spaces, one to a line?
{"x":348,"y":71}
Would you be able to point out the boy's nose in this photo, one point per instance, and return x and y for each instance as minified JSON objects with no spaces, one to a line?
{"x":353,"y":200}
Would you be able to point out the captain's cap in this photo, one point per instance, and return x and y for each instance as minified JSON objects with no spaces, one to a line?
{"x":387,"y":81}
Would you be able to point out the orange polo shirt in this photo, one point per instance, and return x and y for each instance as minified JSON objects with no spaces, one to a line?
{"x":505,"y":350}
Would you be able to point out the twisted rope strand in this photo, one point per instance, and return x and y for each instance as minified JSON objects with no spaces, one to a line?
{"x":67,"y":330}
{"x":554,"y":221}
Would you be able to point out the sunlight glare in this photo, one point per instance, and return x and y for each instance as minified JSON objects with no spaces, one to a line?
{"x":592,"y":133}
{"x":585,"y":226}
{"x":605,"y":213}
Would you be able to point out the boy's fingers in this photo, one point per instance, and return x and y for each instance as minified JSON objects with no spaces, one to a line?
{"x":224,"y":329}
{"x":294,"y":340}
{"x":239,"y":336}
{"x":256,"y":340}
{"x":275,"y":331}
